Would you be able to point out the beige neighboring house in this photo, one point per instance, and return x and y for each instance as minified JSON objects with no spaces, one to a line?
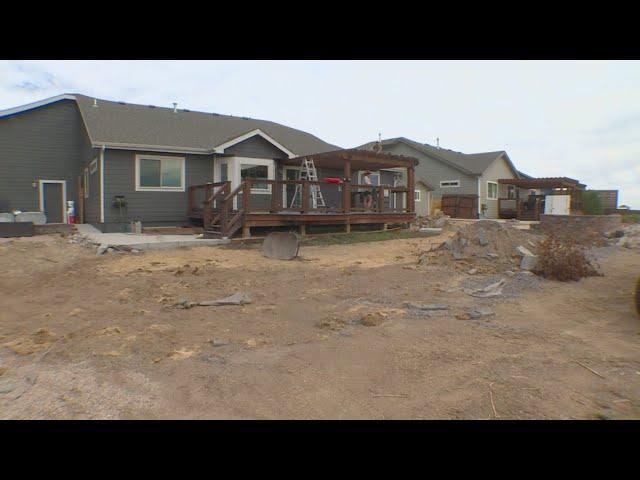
{"x":468,"y":181}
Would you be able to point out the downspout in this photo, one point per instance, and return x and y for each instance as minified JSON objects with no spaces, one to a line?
{"x":479,"y":196}
{"x":102,"y":184}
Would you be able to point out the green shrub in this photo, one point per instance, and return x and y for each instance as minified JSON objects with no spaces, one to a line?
{"x":591,"y":204}
{"x":631,"y":218}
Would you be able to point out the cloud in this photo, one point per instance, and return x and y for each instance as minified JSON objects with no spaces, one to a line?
{"x":578,"y":119}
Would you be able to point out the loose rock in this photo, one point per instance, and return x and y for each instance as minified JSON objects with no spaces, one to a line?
{"x":426,"y":306}
{"x":238,"y":298}
{"x":481,"y":312}
{"x":493,"y":290}
{"x":373,"y":319}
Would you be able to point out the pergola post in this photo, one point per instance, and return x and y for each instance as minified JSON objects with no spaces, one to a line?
{"x":346,"y":187}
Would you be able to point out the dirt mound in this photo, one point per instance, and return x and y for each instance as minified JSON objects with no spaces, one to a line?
{"x":485,"y":246}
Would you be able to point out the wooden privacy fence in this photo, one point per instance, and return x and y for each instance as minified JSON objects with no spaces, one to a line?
{"x":460,"y":206}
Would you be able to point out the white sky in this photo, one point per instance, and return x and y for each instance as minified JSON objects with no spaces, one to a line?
{"x":579,"y":119}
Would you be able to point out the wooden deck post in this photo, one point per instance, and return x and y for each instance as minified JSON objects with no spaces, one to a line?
{"x":346,"y":187}
{"x":246,"y":195}
{"x":303,"y":229}
{"x":305,"y":196}
{"x":246,"y":231}
{"x":380,"y":198}
{"x":276,"y":194}
{"x":411,"y":205}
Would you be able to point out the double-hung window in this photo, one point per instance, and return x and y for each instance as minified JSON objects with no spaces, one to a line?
{"x":492,"y":190}
{"x":159,"y":174}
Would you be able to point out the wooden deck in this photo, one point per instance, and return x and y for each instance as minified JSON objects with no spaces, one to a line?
{"x":223,"y":212}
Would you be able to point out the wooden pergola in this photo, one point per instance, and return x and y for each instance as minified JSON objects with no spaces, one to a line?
{"x":544,"y":182}
{"x":353,"y":159}
{"x":531,"y":209}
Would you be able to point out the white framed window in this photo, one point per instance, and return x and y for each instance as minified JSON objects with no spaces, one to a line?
{"x":416,"y":195}
{"x":93,"y":166}
{"x":492,"y":191}
{"x":155,"y":173}
{"x":85,"y":185}
{"x":449,"y":183}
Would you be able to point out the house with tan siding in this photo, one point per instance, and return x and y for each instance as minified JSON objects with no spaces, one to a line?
{"x":454,"y":178}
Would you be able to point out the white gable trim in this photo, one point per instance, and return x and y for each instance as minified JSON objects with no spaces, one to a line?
{"x":31,"y":106}
{"x":221,"y":148}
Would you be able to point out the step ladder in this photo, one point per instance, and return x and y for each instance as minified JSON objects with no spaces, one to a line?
{"x":309,"y":173}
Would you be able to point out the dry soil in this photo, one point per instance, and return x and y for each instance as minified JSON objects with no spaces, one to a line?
{"x":328,"y":335}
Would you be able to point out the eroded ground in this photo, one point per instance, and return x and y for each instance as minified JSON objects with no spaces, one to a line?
{"x":83,"y":336}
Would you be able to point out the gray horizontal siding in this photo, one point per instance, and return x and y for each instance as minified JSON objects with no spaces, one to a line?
{"x":434,"y":171}
{"x":149,"y":207}
{"x":255,"y":147}
{"x":48,"y":143}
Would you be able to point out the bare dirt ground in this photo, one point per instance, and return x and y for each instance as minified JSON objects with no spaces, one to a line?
{"x":83,"y":336}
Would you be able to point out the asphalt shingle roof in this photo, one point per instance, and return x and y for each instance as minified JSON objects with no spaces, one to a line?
{"x":125,"y":123}
{"x":473,"y":163}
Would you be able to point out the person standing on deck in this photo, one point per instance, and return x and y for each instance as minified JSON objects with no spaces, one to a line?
{"x":367,"y":194}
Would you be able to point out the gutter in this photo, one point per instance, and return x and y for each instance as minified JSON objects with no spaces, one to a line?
{"x":153,"y":148}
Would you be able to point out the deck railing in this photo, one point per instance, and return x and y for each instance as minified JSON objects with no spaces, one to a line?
{"x":276,"y":196}
{"x":520,"y":209}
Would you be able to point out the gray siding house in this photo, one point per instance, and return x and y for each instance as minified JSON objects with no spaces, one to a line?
{"x":121,"y":162}
{"x":447,"y":172}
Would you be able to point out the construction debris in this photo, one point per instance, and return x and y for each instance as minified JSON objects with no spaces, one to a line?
{"x":425,"y":306}
{"x":281,"y":246}
{"x":529,"y":260}
{"x":481,"y":312}
{"x":492,"y":290}
{"x":438,"y":220}
{"x":238,"y":298}
{"x":431,"y":230}
{"x":485,"y":246}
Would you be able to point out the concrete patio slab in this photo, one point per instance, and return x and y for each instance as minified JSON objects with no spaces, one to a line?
{"x":145,"y":242}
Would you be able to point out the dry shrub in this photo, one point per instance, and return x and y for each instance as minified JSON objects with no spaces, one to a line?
{"x":564,"y":260}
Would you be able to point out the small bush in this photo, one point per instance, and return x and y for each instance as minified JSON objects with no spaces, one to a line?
{"x":564,"y":260}
{"x":591,"y":204}
{"x":631,"y":218}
